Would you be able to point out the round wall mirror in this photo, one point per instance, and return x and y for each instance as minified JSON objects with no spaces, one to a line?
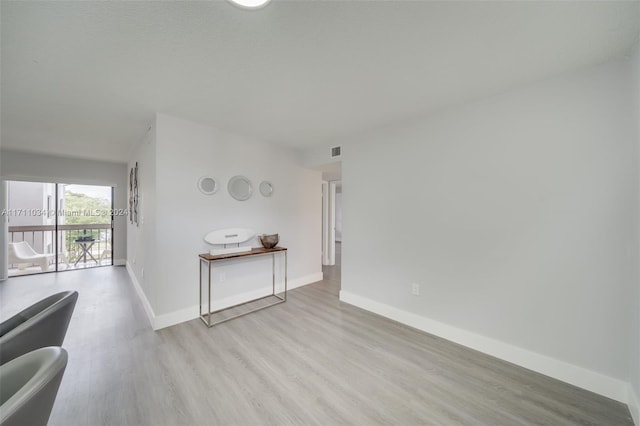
{"x":240,"y":188}
{"x":266,"y":189}
{"x":207,"y":185}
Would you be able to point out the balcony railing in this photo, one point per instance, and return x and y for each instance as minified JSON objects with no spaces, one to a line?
{"x":70,"y":250}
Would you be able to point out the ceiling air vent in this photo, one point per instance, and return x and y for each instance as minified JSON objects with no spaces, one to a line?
{"x":336,"y":152}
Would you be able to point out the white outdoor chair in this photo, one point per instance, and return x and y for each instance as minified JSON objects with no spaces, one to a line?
{"x":62,"y":255}
{"x":22,"y":254}
{"x":106,"y":254}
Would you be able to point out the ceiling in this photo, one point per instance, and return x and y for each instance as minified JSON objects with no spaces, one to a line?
{"x":84,"y":79}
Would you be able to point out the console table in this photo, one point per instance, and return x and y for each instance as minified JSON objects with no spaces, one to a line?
{"x":208,"y":261}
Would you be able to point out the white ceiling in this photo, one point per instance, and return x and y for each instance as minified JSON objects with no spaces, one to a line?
{"x":85,"y":78}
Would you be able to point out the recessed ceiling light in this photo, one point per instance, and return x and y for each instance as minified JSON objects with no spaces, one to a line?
{"x":250,"y":4}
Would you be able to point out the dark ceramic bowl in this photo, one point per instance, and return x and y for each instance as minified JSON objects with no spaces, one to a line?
{"x":269,"y":241}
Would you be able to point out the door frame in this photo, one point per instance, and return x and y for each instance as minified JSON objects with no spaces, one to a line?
{"x":328,"y":223}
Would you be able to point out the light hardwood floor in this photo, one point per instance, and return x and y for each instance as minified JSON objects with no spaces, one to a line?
{"x":312,"y":360}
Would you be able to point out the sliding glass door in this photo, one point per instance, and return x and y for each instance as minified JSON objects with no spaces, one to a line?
{"x":58,"y":227}
{"x":85,"y":232}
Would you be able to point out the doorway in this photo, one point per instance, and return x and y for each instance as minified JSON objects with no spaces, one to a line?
{"x":331,"y":229}
{"x":331,"y":221}
{"x":332,"y":235}
{"x":55,"y":227}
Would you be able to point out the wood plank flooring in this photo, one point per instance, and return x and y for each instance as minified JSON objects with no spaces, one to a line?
{"x":312,"y":360}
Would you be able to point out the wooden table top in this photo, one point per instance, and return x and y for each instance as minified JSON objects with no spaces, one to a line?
{"x":254,"y":252}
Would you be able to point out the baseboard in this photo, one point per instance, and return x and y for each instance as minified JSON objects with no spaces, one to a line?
{"x":119,"y":262}
{"x":307,"y":279}
{"x":175,"y":317}
{"x":193,"y":312}
{"x":143,"y":298}
{"x":569,"y":373}
{"x":633,"y":402}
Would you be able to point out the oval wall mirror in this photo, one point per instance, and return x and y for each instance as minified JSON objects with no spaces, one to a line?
{"x":266,"y":189}
{"x":240,"y":188}
{"x":207,"y":185}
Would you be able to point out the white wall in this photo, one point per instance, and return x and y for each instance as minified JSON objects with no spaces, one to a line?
{"x":635,"y":336}
{"x":142,"y":256}
{"x":185,"y":151}
{"x":514,"y":216}
{"x":45,"y":168}
{"x":4,"y":272}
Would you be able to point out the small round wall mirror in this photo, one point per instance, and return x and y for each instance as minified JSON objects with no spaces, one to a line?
{"x":266,"y":189}
{"x":240,"y":188}
{"x":207,"y":185}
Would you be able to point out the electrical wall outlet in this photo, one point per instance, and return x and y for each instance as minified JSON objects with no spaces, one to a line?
{"x":415,"y":289}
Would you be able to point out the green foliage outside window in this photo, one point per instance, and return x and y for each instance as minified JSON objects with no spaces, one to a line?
{"x":81,"y":209}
